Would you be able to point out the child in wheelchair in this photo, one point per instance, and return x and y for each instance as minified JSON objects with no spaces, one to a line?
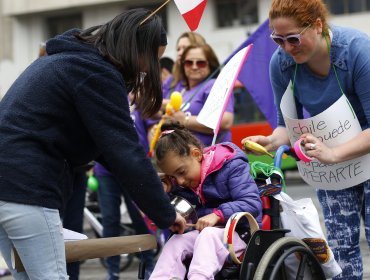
{"x":217,"y":182}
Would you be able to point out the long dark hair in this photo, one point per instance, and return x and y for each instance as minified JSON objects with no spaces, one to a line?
{"x":132,"y":46}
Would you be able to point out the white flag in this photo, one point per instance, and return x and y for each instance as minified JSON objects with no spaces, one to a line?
{"x":213,"y":110}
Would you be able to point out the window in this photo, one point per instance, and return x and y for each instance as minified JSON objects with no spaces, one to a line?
{"x":338,"y":7}
{"x":60,"y":24}
{"x":236,"y":12}
{"x":162,"y":13}
{"x":355,"y":6}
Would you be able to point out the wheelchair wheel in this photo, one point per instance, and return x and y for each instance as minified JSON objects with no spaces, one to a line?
{"x":272,"y":264}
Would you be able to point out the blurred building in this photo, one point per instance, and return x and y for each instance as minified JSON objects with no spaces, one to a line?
{"x":24,"y":24}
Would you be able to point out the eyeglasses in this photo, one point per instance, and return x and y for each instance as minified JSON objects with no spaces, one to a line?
{"x":294,"y":39}
{"x":198,"y":63}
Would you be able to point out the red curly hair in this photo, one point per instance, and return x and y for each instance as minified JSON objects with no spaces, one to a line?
{"x":304,"y":12}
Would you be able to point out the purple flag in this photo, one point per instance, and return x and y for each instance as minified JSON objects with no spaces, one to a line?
{"x":255,"y":73}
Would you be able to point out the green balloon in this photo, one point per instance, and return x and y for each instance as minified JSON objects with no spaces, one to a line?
{"x":92,"y":183}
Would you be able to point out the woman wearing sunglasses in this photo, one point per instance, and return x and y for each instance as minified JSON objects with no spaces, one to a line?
{"x":325,"y":70}
{"x":198,"y":62}
{"x":185,"y":40}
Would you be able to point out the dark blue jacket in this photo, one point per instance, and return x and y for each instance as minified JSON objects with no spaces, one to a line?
{"x":63,"y":111}
{"x":226,"y":186}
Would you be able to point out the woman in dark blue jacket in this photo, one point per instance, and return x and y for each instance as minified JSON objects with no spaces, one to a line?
{"x":66,"y":109}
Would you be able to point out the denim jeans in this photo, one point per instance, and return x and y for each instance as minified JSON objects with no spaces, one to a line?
{"x":342,"y":214}
{"x":109,"y":197}
{"x":37,"y":234}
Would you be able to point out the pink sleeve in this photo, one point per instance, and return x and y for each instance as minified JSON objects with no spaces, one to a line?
{"x":219,"y":214}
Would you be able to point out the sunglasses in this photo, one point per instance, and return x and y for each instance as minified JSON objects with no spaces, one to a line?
{"x":294,"y":39}
{"x":198,"y":63}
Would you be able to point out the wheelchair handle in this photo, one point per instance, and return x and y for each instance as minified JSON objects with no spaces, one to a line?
{"x":279,"y":154}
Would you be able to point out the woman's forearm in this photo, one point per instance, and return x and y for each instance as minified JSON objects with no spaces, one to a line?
{"x":278,"y":137}
{"x":356,"y":147}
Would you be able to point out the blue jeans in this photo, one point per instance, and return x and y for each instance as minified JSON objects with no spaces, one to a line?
{"x":342,"y":213}
{"x":37,"y":234}
{"x":109,"y":197}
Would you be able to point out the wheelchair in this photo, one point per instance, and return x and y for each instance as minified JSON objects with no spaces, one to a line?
{"x":268,"y":248}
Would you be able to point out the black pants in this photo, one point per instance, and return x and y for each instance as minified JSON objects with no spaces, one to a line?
{"x":73,"y":216}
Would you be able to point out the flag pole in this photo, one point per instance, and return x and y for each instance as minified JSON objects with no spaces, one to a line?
{"x":214,"y":138}
{"x":155,"y":11}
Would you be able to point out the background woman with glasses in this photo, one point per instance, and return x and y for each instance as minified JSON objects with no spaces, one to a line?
{"x":198,"y":62}
{"x":185,"y":40}
{"x":326,"y":65}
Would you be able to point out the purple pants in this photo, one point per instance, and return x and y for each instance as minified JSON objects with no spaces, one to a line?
{"x":206,"y":248}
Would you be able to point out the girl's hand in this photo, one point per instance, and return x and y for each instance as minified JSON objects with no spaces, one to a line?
{"x":151,"y":132}
{"x":164,"y":104}
{"x":318,"y":150}
{"x":207,"y":221}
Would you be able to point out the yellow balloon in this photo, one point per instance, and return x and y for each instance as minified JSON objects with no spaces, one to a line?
{"x":176,"y":100}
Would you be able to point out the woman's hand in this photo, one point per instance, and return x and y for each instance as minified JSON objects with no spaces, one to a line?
{"x":177,"y":116}
{"x":207,"y":221}
{"x":318,"y":150}
{"x":179,"y":225}
{"x":278,"y":137}
{"x":264,"y":141}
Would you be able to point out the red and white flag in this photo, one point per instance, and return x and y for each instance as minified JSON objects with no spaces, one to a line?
{"x":191,"y":11}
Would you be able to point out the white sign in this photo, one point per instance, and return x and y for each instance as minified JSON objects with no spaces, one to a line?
{"x":333,"y":129}
{"x":212,"y":111}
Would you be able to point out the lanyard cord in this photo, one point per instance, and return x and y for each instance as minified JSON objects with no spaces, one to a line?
{"x":335,"y":71}
{"x":336,"y":76}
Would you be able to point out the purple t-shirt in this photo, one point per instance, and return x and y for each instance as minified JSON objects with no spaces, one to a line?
{"x":193,"y":101}
{"x":141,"y":129}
